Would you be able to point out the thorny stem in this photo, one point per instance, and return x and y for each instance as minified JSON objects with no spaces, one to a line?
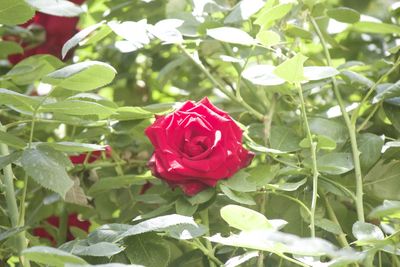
{"x":221,"y":87}
{"x":313,"y":149}
{"x":350,"y":127}
{"x":11,"y":201}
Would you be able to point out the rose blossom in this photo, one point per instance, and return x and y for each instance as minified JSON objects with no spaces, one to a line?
{"x":56,"y":31}
{"x":196,"y":146}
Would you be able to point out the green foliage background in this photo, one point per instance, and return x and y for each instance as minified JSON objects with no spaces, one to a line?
{"x":313,"y":83}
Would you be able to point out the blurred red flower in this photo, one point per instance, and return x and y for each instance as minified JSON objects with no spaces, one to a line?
{"x":56,"y":31}
{"x":95,"y":155}
{"x":73,"y":220}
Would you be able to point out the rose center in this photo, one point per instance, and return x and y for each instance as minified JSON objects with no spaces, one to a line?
{"x":196,"y":145}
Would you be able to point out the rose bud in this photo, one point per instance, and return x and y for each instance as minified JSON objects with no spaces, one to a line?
{"x":95,"y":155}
{"x":50,"y":34}
{"x":196,"y":146}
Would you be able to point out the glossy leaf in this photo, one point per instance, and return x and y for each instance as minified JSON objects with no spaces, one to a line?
{"x":79,"y":76}
{"x":48,"y":168}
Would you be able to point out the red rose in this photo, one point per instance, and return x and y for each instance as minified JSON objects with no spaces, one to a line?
{"x":196,"y":146}
{"x":95,"y":155}
{"x":73,"y":220}
{"x":56,"y":31}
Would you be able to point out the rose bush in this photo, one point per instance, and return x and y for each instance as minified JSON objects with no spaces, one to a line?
{"x":196,"y":146}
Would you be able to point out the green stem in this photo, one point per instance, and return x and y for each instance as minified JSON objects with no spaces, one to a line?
{"x":370,"y":115}
{"x":206,"y":252}
{"x":221,"y":87}
{"x":63,"y":229}
{"x":350,"y":127}
{"x":11,"y":201}
{"x":261,"y":256}
{"x":313,"y":150}
{"x":332,"y":216}
{"x":206,"y":222}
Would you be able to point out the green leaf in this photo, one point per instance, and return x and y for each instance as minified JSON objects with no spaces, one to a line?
{"x":393,"y":114}
{"x":293,"y":30}
{"x":390,"y":91}
{"x":329,"y":128}
{"x":231,"y":35}
{"x":268,"y":38}
{"x":366,"y":232}
{"x":107,"y":233}
{"x":238,"y":260}
{"x":315,"y":73}
{"x":376,"y":27}
{"x":60,"y":8}
{"x":278,"y":242}
{"x":335,"y":163}
{"x":109,"y":183}
{"x":101,"y":249}
{"x":132,"y":113}
{"x":77,"y":38}
{"x":287,"y":186}
{"x":325,"y":142}
{"x":284,"y":139}
{"x":73,"y":147}
{"x":134,"y":32}
{"x":9,"y":48}
{"x":166,"y":31}
{"x":47,"y":167}
{"x":262,"y":75}
{"x":77,"y":107}
{"x":370,"y":146}
{"x":382,"y":181}
{"x":79,"y":76}
{"x":243,"y":218}
{"x":11,"y":140}
{"x":33,"y":68}
{"x":292,"y":70}
{"x":18,"y":100}
{"x":244,"y":10}
{"x":51,"y":256}
{"x":202,"y":196}
{"x":263,"y":174}
{"x":356,"y":79}
{"x":14,"y":12}
{"x":344,"y":14}
{"x":329,"y":226}
{"x":238,"y":197}
{"x":177,"y":226}
{"x":267,"y":17}
{"x":239,"y":182}
{"x":389,"y":208}
{"x":10,"y":158}
{"x":184,"y":207}
{"x":149,"y":250}
{"x":4,"y":235}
